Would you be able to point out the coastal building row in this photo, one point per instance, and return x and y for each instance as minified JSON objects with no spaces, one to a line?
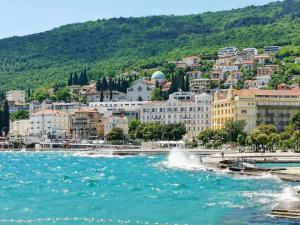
{"x":197,"y":111}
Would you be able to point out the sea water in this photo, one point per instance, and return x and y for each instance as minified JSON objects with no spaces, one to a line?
{"x":63,"y":189}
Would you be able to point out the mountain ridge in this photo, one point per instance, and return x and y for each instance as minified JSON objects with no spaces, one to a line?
{"x":110,"y":46}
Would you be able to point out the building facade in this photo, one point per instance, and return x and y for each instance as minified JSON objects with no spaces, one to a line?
{"x":199,"y":86}
{"x":256,"y":107}
{"x":49,"y":122}
{"x":194,"y":113}
{"x":115,"y":121}
{"x":20,"y":128}
{"x":140,"y":91}
{"x":85,"y":124}
{"x":16,"y":96}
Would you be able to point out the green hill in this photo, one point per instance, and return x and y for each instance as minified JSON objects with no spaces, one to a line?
{"x":115,"y":45}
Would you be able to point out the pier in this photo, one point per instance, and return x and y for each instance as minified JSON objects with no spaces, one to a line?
{"x":288,"y":208}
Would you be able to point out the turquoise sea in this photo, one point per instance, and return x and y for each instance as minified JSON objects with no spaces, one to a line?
{"x":63,"y":189}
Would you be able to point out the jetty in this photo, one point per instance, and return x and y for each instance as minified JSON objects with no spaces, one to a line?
{"x":288,"y":208}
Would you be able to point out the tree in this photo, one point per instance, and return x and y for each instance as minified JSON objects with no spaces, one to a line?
{"x":187,"y":83}
{"x":115,"y":134}
{"x":156,"y":95}
{"x":133,"y":125}
{"x":19,"y":115}
{"x":295,"y":121}
{"x":75,"y":79}
{"x":6,"y":117}
{"x":104,"y":84}
{"x":234,"y":128}
{"x":63,"y":94}
{"x":70,"y":80}
{"x":206,"y":136}
{"x":41,"y":94}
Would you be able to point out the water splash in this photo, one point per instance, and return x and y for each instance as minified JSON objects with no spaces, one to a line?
{"x":289,"y":193}
{"x":178,"y":159}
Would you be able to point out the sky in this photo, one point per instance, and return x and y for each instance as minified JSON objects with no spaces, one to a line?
{"x":22,"y":17}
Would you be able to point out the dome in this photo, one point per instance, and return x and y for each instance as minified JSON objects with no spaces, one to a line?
{"x":158,"y":75}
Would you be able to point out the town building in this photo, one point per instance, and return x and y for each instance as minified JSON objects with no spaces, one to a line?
{"x":248,"y":64}
{"x":297,"y":60}
{"x":116,"y":121}
{"x":66,"y":107}
{"x":19,"y":128}
{"x":140,"y":90}
{"x":194,"y":113}
{"x":130,"y":109}
{"x":95,"y":96}
{"x":195,"y":74}
{"x":250,"y":84}
{"x":49,"y":122}
{"x":263,"y":58}
{"x":226,"y":68}
{"x":263,"y":81}
{"x":85,"y":124}
{"x":250,"y":51}
{"x":16,"y":96}
{"x":227,"y":52}
{"x":199,"y":86}
{"x":264,"y":71}
{"x":191,"y":61}
{"x":271,"y":49}
{"x":256,"y":107}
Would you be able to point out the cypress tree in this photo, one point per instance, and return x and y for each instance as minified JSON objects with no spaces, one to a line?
{"x":70,"y":81}
{"x":101,"y":96}
{"x":187,"y":83}
{"x":85,"y":79}
{"x":99,"y":85}
{"x":6,"y":117}
{"x":75,"y":79}
{"x":1,"y":121}
{"x":80,"y":79}
{"x":104,"y":84}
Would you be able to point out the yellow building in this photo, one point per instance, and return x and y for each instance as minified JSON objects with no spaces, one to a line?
{"x":256,"y":107}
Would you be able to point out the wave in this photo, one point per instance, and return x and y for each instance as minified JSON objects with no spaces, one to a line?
{"x":86,"y":220}
{"x":178,"y":159}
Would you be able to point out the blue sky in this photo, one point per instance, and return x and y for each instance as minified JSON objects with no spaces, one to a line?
{"x":21,"y":17}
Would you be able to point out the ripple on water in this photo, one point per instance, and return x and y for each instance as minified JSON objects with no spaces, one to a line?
{"x":136,"y":190}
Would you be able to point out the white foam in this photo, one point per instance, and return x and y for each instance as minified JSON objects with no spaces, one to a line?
{"x":289,"y":193}
{"x":178,"y":159}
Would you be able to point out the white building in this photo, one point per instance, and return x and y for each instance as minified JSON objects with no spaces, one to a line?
{"x":191,"y":60}
{"x":226,"y":68}
{"x":271,"y":49}
{"x":115,"y":121}
{"x":19,"y":128}
{"x":49,"y":122}
{"x":109,"y":108}
{"x":194,"y":113}
{"x":196,"y":74}
{"x":297,"y":60}
{"x":250,"y":51}
{"x":16,"y":96}
{"x":68,"y":107}
{"x":95,"y":96}
{"x":140,"y":90}
{"x":263,"y":81}
{"x":228,"y":52}
{"x":199,"y":86}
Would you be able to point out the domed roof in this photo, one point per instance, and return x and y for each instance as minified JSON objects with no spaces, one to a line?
{"x":158,"y":75}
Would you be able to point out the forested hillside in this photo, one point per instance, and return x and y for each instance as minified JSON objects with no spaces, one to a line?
{"x":120,"y":44}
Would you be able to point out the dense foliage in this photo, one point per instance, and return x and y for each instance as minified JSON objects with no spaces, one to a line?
{"x":109,"y":47}
{"x":263,"y":138}
{"x":156,"y":131}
